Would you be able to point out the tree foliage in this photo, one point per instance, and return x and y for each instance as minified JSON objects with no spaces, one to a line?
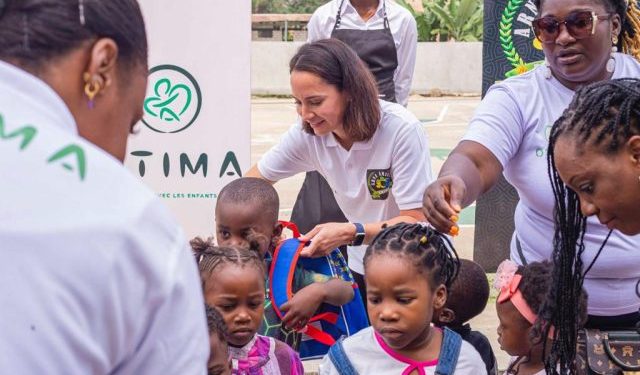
{"x":286,"y":6}
{"x":443,"y":20}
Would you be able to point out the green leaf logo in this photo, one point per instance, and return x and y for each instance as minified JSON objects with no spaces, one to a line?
{"x":161,"y":105}
{"x":173,"y":99}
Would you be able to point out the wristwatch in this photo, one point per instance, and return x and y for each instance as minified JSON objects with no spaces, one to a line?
{"x":359,"y":237}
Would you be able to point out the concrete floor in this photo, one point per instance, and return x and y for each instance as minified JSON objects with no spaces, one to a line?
{"x":445,"y":121}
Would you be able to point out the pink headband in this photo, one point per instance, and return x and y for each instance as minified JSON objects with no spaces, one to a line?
{"x":507,"y":282}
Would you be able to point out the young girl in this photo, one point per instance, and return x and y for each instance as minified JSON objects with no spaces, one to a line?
{"x":233,"y":283}
{"x":522,"y":292}
{"x":407,"y":270}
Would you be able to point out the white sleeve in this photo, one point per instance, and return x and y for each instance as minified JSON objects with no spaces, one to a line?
{"x":161,"y":301}
{"x":498,"y":124}
{"x":403,"y":76}
{"x":326,"y":367}
{"x":411,"y":167}
{"x":290,"y":156}
{"x":313,"y":28}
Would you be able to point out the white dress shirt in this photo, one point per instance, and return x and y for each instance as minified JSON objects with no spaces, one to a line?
{"x":401,"y":23}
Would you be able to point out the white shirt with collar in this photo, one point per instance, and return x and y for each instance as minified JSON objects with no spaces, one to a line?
{"x":95,"y":275}
{"x":399,"y":149}
{"x":401,"y":23}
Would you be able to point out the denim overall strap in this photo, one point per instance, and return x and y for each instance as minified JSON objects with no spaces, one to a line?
{"x":449,"y":352}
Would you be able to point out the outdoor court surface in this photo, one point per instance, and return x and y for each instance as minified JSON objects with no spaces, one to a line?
{"x":444,"y":119}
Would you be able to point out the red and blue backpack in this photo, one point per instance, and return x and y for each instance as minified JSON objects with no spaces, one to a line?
{"x":330,"y":323}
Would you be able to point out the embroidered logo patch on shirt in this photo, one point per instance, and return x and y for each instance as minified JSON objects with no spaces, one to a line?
{"x":379,"y":182}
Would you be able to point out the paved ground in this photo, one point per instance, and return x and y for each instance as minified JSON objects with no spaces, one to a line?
{"x":445,"y":121}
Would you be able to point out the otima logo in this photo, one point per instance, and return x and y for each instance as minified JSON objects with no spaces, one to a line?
{"x":173,"y":99}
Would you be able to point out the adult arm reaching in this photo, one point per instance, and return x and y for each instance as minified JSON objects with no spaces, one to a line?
{"x":469,"y":171}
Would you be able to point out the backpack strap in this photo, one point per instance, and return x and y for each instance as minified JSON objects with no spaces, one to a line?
{"x":291,"y":226}
{"x":449,"y":352}
{"x":281,"y":275}
{"x":340,"y":361}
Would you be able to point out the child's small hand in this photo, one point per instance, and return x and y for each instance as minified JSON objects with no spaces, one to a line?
{"x":302,"y":306}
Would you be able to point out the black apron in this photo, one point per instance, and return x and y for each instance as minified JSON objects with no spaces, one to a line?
{"x":316,"y":203}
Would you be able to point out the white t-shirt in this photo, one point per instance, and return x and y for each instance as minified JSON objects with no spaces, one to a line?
{"x":513,"y":121}
{"x":95,"y":275}
{"x":397,"y":154}
{"x":401,"y":24}
{"x":367,"y":356}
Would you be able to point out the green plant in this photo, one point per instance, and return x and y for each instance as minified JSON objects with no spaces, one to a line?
{"x":442,"y":20}
{"x":462,"y":19}
{"x":427,"y":22}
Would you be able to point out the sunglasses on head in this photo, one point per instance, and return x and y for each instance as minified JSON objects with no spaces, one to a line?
{"x":581,"y":24}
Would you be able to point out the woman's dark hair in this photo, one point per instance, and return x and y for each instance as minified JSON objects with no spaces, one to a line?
{"x":629,"y":13}
{"x":210,"y":257}
{"x":33,"y":32}
{"x":338,"y":65}
{"x":602,"y":115}
{"x":431,"y":251}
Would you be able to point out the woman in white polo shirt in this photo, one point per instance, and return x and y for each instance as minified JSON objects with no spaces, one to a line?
{"x":374,"y":154}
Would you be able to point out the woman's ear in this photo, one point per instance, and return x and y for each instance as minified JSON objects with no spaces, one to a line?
{"x":616,"y":26}
{"x":440,"y":297}
{"x":633,"y":147}
{"x":101,"y":65}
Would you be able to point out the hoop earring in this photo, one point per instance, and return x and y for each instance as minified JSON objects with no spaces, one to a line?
{"x":547,"y":69}
{"x":91,"y":89}
{"x":611,"y":63}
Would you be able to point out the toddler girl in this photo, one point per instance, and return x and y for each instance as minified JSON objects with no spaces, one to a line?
{"x":407,"y":270}
{"x":233,"y":283}
{"x":523,"y":289}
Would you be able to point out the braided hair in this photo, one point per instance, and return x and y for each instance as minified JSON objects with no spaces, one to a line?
{"x":604,"y":115}
{"x":630,"y":21}
{"x":210,"y":257}
{"x":431,"y":251}
{"x":215,"y":323}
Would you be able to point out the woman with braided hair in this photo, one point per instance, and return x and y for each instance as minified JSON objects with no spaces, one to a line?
{"x":509,"y":133}
{"x":594,"y":163}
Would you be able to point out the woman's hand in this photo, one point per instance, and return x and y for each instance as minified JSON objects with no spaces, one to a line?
{"x":442,"y":203}
{"x":326,"y":237}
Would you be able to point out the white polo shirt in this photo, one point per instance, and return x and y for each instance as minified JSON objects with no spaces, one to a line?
{"x":401,"y":24}
{"x":95,"y":275}
{"x":397,"y":156}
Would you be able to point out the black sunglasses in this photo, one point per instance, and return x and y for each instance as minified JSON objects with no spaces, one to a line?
{"x":580,"y":25}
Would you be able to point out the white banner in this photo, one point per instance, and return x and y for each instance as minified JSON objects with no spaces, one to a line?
{"x":195,"y":134}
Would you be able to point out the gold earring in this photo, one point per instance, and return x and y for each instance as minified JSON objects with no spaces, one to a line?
{"x":91,"y":89}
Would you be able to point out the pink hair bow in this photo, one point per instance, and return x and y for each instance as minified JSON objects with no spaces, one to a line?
{"x":504,"y":275}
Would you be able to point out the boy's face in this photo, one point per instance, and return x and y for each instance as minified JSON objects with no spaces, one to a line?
{"x":235,"y":222}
